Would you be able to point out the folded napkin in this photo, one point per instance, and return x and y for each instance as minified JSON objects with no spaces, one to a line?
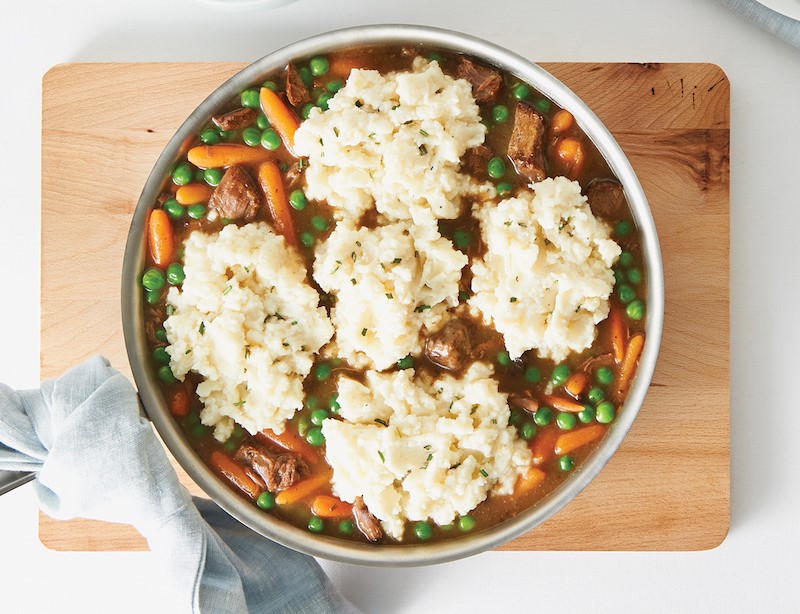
{"x":97,"y":457}
{"x":780,"y":25}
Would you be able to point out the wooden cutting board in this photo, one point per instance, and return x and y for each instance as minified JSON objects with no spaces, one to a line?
{"x":668,"y":486}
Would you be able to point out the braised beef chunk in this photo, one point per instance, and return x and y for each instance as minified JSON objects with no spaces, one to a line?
{"x":475,"y":160}
{"x":607,"y":198}
{"x":236,"y":120}
{"x":296,"y":90}
{"x":236,"y":197}
{"x":278,"y":471}
{"x":293,"y":175}
{"x":486,"y":82}
{"x":526,"y":146}
{"x":366,"y":522}
{"x":449,"y":347}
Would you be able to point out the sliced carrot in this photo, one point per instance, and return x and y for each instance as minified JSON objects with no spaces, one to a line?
{"x":301,"y":490}
{"x":271,"y":182}
{"x":280,"y":117}
{"x":576,"y":383}
{"x":290,"y":441}
{"x":328,"y":506}
{"x":628,"y":365}
{"x":234,"y":473}
{"x":543,"y":446}
{"x":178,"y":400}
{"x":226,"y":154}
{"x":572,"y":440}
{"x":341,"y":66}
{"x":160,"y":238}
{"x":562,"y":121}
{"x":619,"y":333}
{"x":193,"y":193}
{"x":571,"y":153}
{"x":562,"y":403}
{"x":529,"y":480}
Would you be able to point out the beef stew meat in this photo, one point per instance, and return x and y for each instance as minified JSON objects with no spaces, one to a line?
{"x":546,"y":400}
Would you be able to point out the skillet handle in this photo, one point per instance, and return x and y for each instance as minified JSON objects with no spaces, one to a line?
{"x":9,"y":480}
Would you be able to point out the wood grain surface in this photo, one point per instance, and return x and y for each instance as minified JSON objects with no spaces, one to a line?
{"x":667,"y":488}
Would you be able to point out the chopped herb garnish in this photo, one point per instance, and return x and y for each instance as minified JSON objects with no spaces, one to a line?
{"x":513,"y":299}
{"x":358,"y":243}
{"x":484,"y":474}
{"x":423,"y":133}
{"x":389,"y":295}
{"x":473,"y":409}
{"x":423,"y":150}
{"x":247,"y":351}
{"x":397,"y":261}
{"x":383,"y":422}
{"x":188,"y":351}
{"x":430,"y":457}
{"x":239,"y":403}
{"x":202,"y":329}
{"x":336,"y":131}
{"x":353,"y":256}
{"x":383,"y":460}
{"x":363,"y":332}
{"x":226,"y":290}
{"x":421,"y":308}
{"x":456,"y":466}
{"x":353,"y":280}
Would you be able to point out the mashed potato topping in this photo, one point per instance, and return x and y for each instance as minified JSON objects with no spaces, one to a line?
{"x":247,"y":321}
{"x":545,"y":279}
{"x":390,"y":282}
{"x":394,"y":141}
{"x":417,"y":450}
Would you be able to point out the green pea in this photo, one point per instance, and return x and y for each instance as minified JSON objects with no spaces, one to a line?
{"x":625,"y":259}
{"x":306,"y":110}
{"x":423,"y":531}
{"x":192,"y":418}
{"x":520,"y":91}
{"x":543,"y":416}
{"x":262,"y":122}
{"x":196,"y":212}
{"x":334,"y":403}
{"x":238,"y":431}
{"x":183,"y":174}
{"x":323,"y":372}
{"x":532,"y":375}
{"x":250,"y":99}
{"x":319,"y":223}
{"x":152,"y":296}
{"x":227,"y":135}
{"x":435,"y":57}
{"x":586,"y":415}
{"x":566,"y":463}
{"x":165,"y":375}
{"x":500,"y":114}
{"x":619,"y":277}
{"x":298,"y":200}
{"x":312,"y":402}
{"x":604,"y":376}
{"x":560,"y":375}
{"x":161,"y":356}
{"x":626,"y":293}
{"x":527,"y":431}
{"x":595,"y":395}
{"x":605,"y":412}
{"x":463,"y":296}
{"x":230,"y":446}
{"x":270,"y":85}
{"x":346,"y":527}
{"x":334,"y":86}
{"x":542,"y":104}
{"x":406,"y":363}
{"x":251,"y":136}
{"x":266,"y":500}
{"x":303,"y":425}
{"x":199,"y":430}
{"x":504,"y":188}
{"x":496,"y":168}
{"x":623,"y":228}
{"x":153,"y":279}
{"x":462,"y":238}
{"x":212,"y":176}
{"x":515,"y":417}
{"x":634,"y":276}
{"x":315,"y":437}
{"x":160,"y":334}
{"x":198,"y":175}
{"x":566,"y":421}
{"x":175,"y":274}
{"x":306,"y":239}
{"x":305,"y":75}
{"x":503,"y":359}
{"x":316,"y":524}
{"x":466,"y":523}
{"x":318,"y":66}
{"x":270,"y":139}
{"x":635,"y":310}
{"x":210,"y":137}
{"x":323,"y":99}
{"x":318,"y":415}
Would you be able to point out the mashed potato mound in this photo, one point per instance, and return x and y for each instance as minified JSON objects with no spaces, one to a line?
{"x":545,"y":279}
{"x":245,"y":319}
{"x":389,"y":283}
{"x":396,"y":141}
{"x":424,"y":449}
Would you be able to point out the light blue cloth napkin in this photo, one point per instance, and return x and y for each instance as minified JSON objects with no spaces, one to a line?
{"x":780,"y":25}
{"x":96,"y":457}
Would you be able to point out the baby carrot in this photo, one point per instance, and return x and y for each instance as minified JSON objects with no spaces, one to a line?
{"x":529,"y":480}
{"x":179,"y":401}
{"x":159,"y":237}
{"x":562,"y":121}
{"x":234,"y":473}
{"x":562,"y":403}
{"x":328,"y":506}
{"x":290,"y":441}
{"x":576,"y":383}
{"x":280,"y":117}
{"x":572,"y":440}
{"x":619,"y":333}
{"x":271,"y":182}
{"x":570,"y":151}
{"x":226,"y":154}
{"x":193,"y":193}
{"x":543,"y":446}
{"x":628,"y":365}
{"x":301,"y":490}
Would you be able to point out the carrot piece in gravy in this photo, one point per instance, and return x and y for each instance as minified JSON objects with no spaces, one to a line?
{"x":226,"y":154}
{"x":562,"y":403}
{"x":562,"y":121}
{"x":576,"y":383}
{"x":234,"y":473}
{"x":572,"y":440}
{"x":178,"y":401}
{"x":159,"y":237}
{"x":193,"y":193}
{"x":529,"y":480}
{"x":301,"y":490}
{"x":280,"y":117}
{"x":271,"y":182}
{"x":619,"y":333}
{"x":543,"y":446}
{"x":628,"y":366}
{"x":291,"y":442}
{"x":328,"y":506}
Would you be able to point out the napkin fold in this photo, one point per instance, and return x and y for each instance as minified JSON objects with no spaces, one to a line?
{"x":780,"y":25}
{"x":97,"y":457}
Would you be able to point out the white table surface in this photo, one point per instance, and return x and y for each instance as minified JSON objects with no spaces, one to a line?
{"x":754,"y":570}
